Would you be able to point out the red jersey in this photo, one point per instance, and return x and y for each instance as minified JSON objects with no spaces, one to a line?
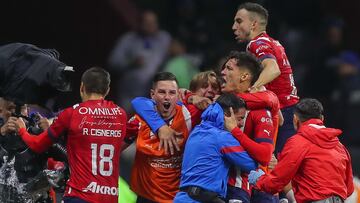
{"x":263,"y":46}
{"x":258,"y":127}
{"x":264,"y":100}
{"x":95,"y":130}
{"x":261,"y":124}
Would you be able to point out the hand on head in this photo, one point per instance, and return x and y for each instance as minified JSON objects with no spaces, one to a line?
{"x":230,"y":121}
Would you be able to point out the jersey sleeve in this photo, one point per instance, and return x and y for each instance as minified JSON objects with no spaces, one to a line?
{"x":195,"y":114}
{"x":132,"y":129}
{"x":40,"y":143}
{"x":263,"y":127}
{"x":232,"y":151}
{"x":261,"y":146}
{"x":262,"y":49}
{"x":261,"y":100}
{"x":145,"y":108}
{"x":37,"y":143}
{"x":60,"y":125}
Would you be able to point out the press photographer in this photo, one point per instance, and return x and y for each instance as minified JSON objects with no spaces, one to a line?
{"x":28,"y":75}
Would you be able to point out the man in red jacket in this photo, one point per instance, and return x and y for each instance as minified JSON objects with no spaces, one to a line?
{"x":318,"y":165}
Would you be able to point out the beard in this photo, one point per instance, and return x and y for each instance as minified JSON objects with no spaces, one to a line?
{"x":245,"y":38}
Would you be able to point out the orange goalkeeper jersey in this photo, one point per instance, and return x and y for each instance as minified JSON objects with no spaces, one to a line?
{"x":156,"y":175}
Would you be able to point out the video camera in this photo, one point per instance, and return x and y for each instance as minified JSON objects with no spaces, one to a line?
{"x":32,"y":121}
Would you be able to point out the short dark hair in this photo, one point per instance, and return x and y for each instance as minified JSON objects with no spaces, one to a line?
{"x":163,"y":76}
{"x":201,"y":79}
{"x":96,"y":80}
{"x":256,"y":8}
{"x":308,"y":108}
{"x":247,"y":61}
{"x":227,"y":100}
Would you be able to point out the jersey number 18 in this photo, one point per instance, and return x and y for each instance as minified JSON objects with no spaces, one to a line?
{"x":104,"y":159}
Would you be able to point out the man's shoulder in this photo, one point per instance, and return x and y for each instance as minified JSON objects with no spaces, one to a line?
{"x":163,"y":33}
{"x":223,"y":136}
{"x":260,"y":40}
{"x":298,"y":140}
{"x":208,"y":128}
{"x":129,"y":36}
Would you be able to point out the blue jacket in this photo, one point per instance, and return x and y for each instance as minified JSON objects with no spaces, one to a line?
{"x":209,"y":152}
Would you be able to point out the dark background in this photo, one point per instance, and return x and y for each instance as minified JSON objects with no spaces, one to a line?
{"x":85,"y":31}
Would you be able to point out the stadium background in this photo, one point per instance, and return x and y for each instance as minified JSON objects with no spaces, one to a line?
{"x":85,"y":32}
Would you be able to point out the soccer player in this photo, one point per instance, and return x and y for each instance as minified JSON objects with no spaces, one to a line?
{"x":318,"y":165}
{"x":94,"y":131}
{"x":209,"y":153}
{"x":206,"y":85}
{"x":239,"y":73}
{"x":249,"y":25}
{"x":155,"y":174}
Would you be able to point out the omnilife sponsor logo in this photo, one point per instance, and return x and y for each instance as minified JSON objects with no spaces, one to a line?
{"x":101,"y":189}
{"x":100,"y":111}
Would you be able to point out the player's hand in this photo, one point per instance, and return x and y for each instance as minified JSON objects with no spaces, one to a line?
{"x":9,"y":126}
{"x":216,"y":97}
{"x":44,"y":123}
{"x":254,"y":176}
{"x":254,"y":89}
{"x":200,"y":102}
{"x":182,"y":93}
{"x":167,"y":137}
{"x":273,"y":162}
{"x":230,"y":121}
{"x":281,"y":118}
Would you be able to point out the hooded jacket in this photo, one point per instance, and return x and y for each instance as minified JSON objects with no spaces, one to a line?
{"x":209,"y":152}
{"x":318,"y":165}
{"x":31,"y":75}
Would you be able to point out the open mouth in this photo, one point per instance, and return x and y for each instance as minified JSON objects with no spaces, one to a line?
{"x":166,"y":105}
{"x":222,"y":82}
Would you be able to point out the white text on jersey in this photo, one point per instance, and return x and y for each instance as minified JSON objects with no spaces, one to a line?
{"x":100,"y":189}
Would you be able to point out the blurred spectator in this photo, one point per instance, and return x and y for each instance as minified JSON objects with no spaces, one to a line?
{"x":180,"y":63}
{"x":346,"y":97}
{"x":137,"y":56}
{"x":322,"y":54}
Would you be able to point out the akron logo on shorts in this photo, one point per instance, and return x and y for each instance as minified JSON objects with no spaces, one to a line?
{"x":100,"y":189}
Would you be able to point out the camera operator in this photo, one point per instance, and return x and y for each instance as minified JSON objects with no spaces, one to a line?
{"x":22,"y":178}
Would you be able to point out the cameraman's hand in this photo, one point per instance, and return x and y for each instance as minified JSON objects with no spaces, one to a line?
{"x":10,"y":126}
{"x":44,"y":123}
{"x":167,"y":137}
{"x":20,"y":124}
{"x":55,"y":177}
